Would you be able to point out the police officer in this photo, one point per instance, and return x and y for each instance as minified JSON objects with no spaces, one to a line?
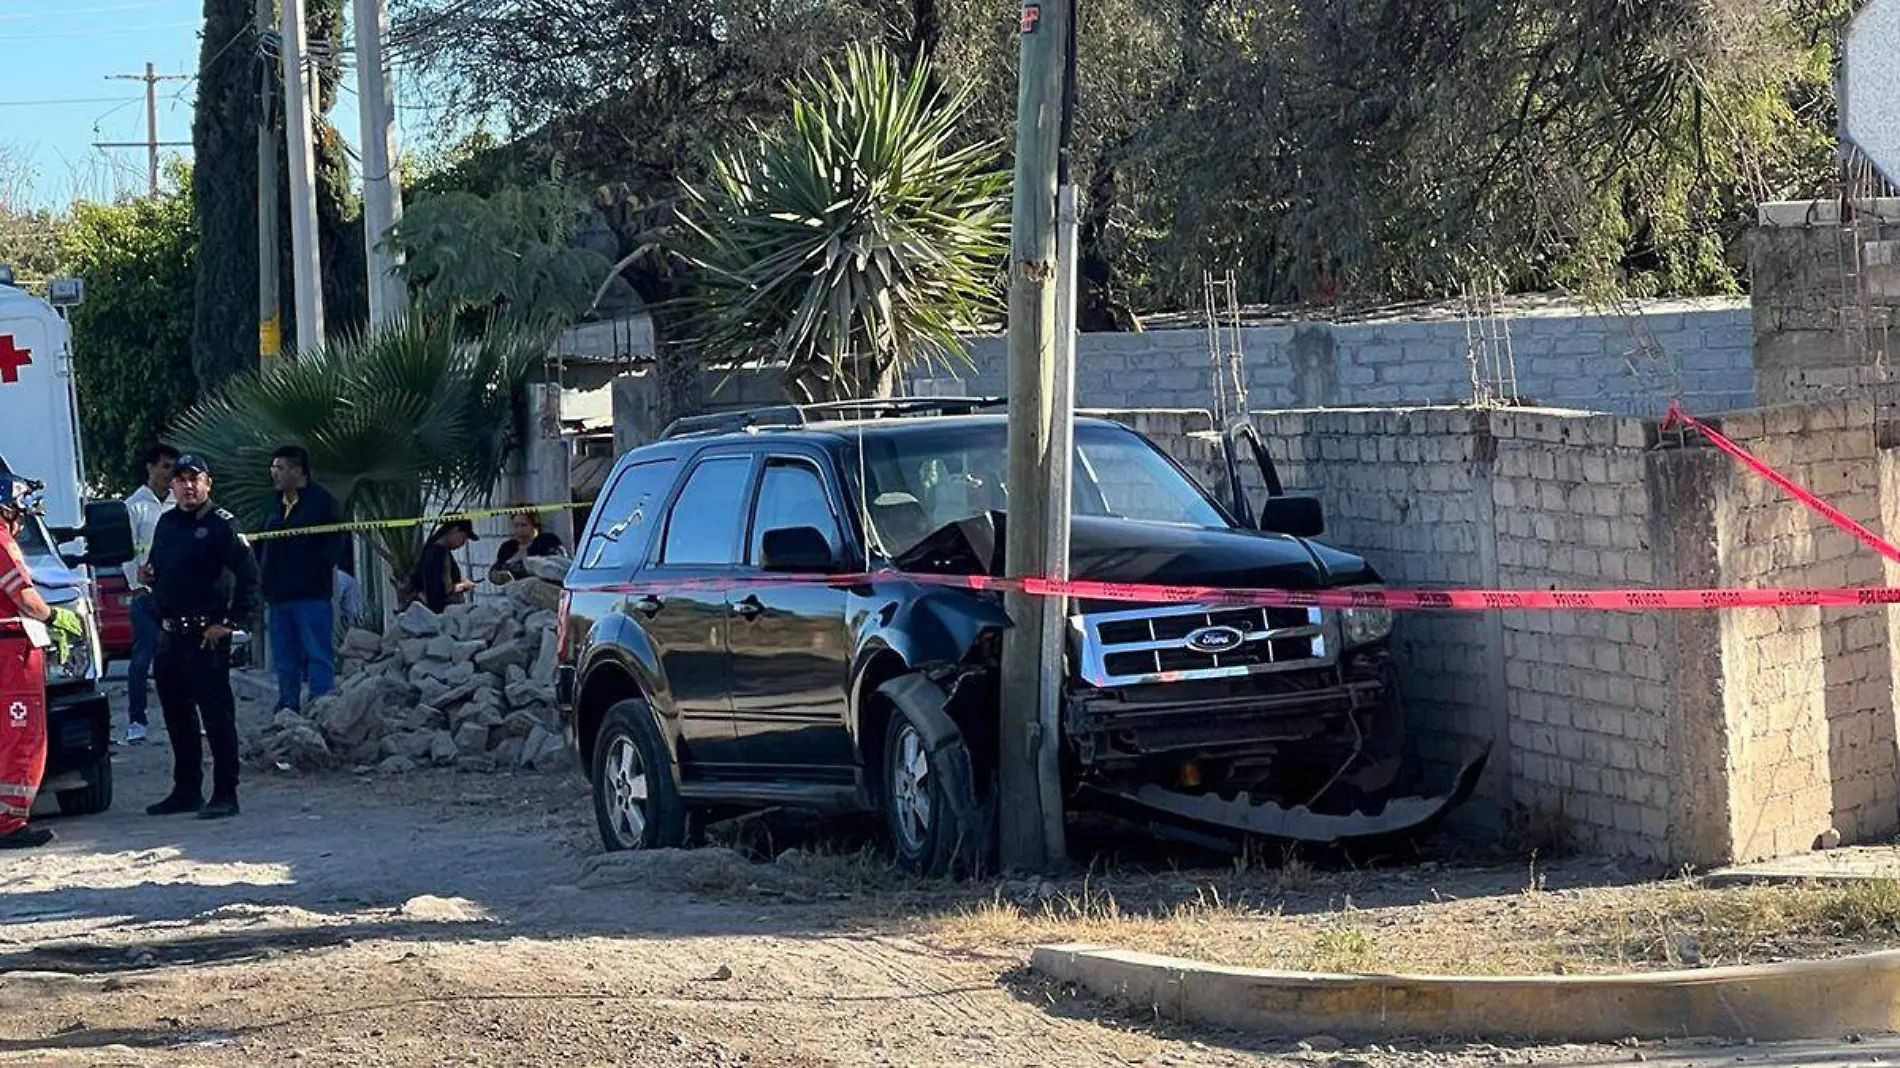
{"x":194,"y":547}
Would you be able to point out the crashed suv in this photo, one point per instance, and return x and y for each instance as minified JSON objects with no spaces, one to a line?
{"x":765,"y":610}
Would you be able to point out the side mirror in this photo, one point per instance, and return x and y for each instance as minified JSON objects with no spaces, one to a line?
{"x":1300,"y":517}
{"x":797,"y":549}
{"x":108,"y":533}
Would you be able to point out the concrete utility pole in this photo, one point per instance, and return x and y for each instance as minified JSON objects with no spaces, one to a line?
{"x":270,"y":329}
{"x":306,"y":258}
{"x":382,"y":190}
{"x":1031,"y":834}
{"x":151,"y":144}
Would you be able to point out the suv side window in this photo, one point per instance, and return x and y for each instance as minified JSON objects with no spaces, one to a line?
{"x":792,"y":495}
{"x":625,"y":515}
{"x":708,"y":517}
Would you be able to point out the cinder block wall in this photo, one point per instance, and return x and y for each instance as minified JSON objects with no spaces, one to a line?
{"x":1825,"y":298}
{"x":1565,"y":356}
{"x":1809,"y":691}
{"x":1682,"y":737}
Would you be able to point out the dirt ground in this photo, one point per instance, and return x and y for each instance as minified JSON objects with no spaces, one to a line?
{"x":443,"y":918}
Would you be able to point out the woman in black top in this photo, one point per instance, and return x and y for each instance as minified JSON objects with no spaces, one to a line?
{"x":528,"y":533}
{"x":437,"y":580}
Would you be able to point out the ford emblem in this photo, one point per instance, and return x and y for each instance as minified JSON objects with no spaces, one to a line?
{"x":1215,"y":640}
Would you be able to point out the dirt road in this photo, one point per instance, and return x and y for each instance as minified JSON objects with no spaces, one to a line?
{"x":456,"y":919}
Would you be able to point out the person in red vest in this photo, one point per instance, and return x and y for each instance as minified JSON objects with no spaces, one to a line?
{"x":23,"y":670}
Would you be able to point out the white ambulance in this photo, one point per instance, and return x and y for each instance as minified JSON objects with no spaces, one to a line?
{"x":39,"y":439}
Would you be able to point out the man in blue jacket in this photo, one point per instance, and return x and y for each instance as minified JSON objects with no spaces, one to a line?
{"x":298,"y":579}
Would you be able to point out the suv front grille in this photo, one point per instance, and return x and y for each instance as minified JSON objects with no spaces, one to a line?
{"x":1153,"y":644}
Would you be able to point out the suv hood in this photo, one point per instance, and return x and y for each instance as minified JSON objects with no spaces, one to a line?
{"x":1126,"y":550}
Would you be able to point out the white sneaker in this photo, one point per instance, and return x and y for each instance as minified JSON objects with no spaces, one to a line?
{"x":134,"y":734}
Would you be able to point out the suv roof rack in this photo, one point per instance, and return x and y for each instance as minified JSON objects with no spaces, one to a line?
{"x":786,"y":416}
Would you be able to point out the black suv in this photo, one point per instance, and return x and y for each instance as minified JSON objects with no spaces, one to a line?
{"x":704,"y":670}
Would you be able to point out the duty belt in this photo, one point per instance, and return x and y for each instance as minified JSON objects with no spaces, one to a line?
{"x":187,"y":623}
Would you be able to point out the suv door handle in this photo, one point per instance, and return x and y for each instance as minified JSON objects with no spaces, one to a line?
{"x":649,"y":606}
{"x":750,"y":608}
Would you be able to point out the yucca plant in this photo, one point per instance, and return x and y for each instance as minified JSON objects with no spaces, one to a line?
{"x":854,"y":243}
{"x":396,"y":418}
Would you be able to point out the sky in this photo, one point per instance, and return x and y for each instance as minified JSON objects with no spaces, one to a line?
{"x":57,"y":98}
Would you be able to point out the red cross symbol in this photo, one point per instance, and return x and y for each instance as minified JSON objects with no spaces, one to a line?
{"x":12,"y":359}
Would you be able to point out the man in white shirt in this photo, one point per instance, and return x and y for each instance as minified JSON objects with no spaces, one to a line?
{"x":145,"y":504}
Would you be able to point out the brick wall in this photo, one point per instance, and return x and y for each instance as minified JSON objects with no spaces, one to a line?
{"x":1809,"y":691}
{"x":1683,"y":737}
{"x":1825,"y":298}
{"x":1565,"y":356}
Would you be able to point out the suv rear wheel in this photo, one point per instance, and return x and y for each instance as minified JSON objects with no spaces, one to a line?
{"x":636,"y":802}
{"x":927,"y":834}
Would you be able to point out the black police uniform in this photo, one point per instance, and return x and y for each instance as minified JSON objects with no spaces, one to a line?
{"x":192,"y":552}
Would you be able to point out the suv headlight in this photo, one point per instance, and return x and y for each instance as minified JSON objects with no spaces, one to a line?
{"x":1363,"y":626}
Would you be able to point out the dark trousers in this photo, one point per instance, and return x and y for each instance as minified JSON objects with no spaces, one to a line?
{"x":194,"y":686}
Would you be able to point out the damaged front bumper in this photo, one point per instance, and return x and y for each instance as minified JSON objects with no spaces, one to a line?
{"x":1397,"y":817}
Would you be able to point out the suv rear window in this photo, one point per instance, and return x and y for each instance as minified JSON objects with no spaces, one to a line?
{"x":622,"y":520}
{"x":709,"y":516}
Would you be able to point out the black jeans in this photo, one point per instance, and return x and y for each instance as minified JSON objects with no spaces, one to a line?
{"x":194,"y":685}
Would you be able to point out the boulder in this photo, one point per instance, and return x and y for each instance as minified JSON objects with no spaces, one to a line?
{"x":545,"y":751}
{"x":432,"y":691}
{"x":500,"y":659}
{"x":519,"y":725}
{"x":442,"y":748}
{"x":483,"y":623}
{"x":546,"y":660}
{"x":367,"y":753}
{"x":538,"y":622}
{"x":443,"y":647}
{"x":356,"y":715}
{"x":301,"y":747}
{"x":285,"y":719}
{"x":416,"y":745}
{"x":508,"y":753}
{"x":397,"y":765}
{"x":471,"y":739}
{"x":416,"y":621}
{"x":413,"y":650}
{"x":364,"y":643}
{"x":548,"y":568}
{"x":535,"y":595}
{"x":476,"y":713}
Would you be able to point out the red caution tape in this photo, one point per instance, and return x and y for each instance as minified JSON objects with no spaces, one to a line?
{"x":1678,"y":417}
{"x":1398,"y":600}
{"x":1343,"y":597}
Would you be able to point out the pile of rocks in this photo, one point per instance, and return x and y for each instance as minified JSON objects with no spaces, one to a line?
{"x":472,"y":687}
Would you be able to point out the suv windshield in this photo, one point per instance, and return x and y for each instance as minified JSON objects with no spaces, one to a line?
{"x":922,"y":479}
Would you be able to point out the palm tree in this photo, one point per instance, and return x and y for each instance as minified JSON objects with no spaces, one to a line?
{"x":396,"y":418}
{"x":854,"y":243}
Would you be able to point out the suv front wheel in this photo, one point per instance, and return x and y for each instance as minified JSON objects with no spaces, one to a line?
{"x":636,"y":801}
{"x":927,"y":835}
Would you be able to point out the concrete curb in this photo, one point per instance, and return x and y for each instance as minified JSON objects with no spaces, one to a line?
{"x":1769,"y":1002}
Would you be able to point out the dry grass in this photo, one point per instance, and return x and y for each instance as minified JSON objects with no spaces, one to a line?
{"x":1646,"y":927}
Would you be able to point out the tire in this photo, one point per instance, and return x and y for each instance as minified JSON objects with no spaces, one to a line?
{"x":636,"y":806}
{"x":927,"y":834}
{"x":93,"y":798}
